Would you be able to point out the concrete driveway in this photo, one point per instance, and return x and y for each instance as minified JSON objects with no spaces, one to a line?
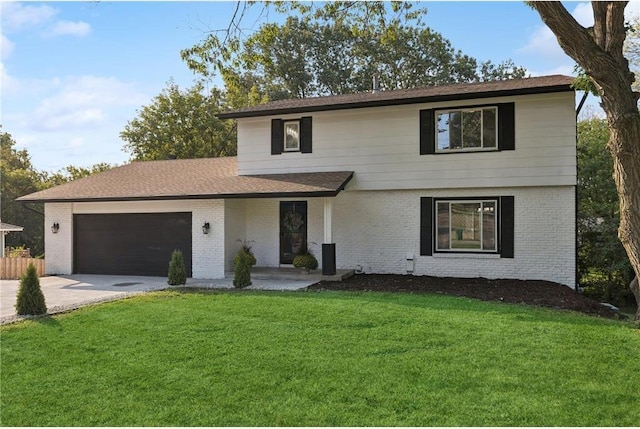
{"x":63,"y":293}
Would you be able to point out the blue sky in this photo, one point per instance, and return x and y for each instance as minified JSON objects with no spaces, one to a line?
{"x":74,"y":73}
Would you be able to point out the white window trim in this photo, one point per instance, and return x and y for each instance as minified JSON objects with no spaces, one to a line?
{"x":451,"y":250}
{"x":469,"y":149}
{"x":284,"y":143}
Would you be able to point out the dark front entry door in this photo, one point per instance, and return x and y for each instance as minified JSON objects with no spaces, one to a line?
{"x":130,"y":244}
{"x":293,"y":229}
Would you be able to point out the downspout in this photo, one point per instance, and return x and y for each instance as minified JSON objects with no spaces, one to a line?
{"x":584,"y":98}
{"x":577,"y":200}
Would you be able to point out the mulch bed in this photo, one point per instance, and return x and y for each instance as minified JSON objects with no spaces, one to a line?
{"x":532,"y":292}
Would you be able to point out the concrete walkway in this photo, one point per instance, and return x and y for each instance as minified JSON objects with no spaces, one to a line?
{"x":64,"y":293}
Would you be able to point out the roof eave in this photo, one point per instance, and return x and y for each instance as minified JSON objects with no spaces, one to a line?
{"x":328,"y":193}
{"x":396,"y":102}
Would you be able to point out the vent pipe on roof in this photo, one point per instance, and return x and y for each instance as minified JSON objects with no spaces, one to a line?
{"x":376,"y":84}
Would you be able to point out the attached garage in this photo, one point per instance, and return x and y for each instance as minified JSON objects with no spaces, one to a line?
{"x":130,"y":243}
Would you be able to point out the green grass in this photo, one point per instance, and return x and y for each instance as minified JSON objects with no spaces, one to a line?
{"x":318,"y":359}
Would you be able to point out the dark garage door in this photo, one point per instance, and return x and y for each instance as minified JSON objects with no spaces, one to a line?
{"x":130,"y":244}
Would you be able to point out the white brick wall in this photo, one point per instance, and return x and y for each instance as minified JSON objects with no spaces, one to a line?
{"x":372,"y":229}
{"x":376,"y":229}
{"x":208,"y":249}
{"x":58,"y":247}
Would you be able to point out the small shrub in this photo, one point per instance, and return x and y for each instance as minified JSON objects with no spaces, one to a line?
{"x":242,"y":269}
{"x":305,"y":259}
{"x":30,"y":298}
{"x":246,"y":247}
{"x":177,"y":271}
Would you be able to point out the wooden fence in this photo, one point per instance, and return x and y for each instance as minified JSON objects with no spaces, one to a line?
{"x":13,"y":268}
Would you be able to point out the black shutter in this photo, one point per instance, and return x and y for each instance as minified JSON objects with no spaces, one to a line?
{"x":427,"y":132}
{"x":426,"y":226}
{"x":506,"y":227}
{"x":305,"y":134}
{"x":277,"y":136}
{"x":506,"y":127}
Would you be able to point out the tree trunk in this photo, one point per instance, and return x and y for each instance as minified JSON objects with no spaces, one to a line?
{"x":635,"y":288}
{"x":598,"y":50}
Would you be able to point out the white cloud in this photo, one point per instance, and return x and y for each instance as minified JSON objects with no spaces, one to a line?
{"x":69,"y":28}
{"x":6,"y":47}
{"x":543,"y":42}
{"x":583,"y":13}
{"x":84,"y":102}
{"x":18,"y":16}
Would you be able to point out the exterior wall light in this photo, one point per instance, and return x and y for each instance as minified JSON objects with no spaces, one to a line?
{"x":205,"y":228}
{"x":55,"y":227}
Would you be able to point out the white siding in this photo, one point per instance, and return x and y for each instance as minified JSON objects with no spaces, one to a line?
{"x":382,"y":146}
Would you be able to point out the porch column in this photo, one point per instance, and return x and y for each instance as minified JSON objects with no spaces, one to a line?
{"x":328,"y":246}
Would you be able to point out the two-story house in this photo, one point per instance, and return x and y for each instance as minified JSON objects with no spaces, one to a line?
{"x":467,"y":180}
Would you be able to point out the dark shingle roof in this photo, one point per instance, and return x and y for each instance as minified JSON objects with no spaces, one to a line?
{"x":463,"y":91}
{"x":190,"y":179}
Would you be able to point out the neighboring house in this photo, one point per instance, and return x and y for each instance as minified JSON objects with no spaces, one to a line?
{"x":6,"y":228}
{"x":468,"y":180}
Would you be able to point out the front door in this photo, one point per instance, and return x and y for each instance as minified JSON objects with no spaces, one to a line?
{"x":293,"y":229}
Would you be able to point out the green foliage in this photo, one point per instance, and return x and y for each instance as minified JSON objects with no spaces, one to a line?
{"x":181,"y":124}
{"x":177,"y":270}
{"x":30,"y":299}
{"x":334,"y":50}
{"x":305,"y":258}
{"x":70,"y":173}
{"x":18,"y":177}
{"x":603,"y":266}
{"x":246,"y":248}
{"x":326,"y":359}
{"x":242,"y":269}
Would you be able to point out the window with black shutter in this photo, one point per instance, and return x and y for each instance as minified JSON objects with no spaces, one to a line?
{"x":467,"y":129}
{"x":467,"y":225}
{"x":291,"y":135}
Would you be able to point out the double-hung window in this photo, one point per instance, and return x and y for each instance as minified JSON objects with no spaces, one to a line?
{"x":291,"y":136}
{"x":467,"y":129}
{"x":467,"y":226}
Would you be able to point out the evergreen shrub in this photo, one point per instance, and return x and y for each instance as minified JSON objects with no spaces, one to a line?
{"x":30,"y":299}
{"x":177,"y":271}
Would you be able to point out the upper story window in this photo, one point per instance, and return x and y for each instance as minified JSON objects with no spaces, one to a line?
{"x":292,"y":136}
{"x":467,"y":129}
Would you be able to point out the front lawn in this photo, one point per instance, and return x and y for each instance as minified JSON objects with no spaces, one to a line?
{"x":318,"y":359}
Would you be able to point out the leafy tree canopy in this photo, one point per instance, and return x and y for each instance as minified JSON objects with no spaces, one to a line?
{"x":180,"y":124}
{"x":337,"y":49}
{"x":18,"y":178}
